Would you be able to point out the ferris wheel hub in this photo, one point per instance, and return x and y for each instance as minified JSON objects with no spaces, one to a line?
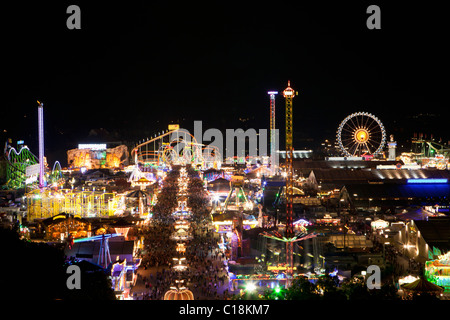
{"x":361,"y":136}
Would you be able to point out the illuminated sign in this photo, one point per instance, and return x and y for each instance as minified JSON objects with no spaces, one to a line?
{"x":92,"y":146}
{"x":278,"y":268}
{"x":427,"y":180}
{"x":174,"y":127}
{"x":32,"y":170}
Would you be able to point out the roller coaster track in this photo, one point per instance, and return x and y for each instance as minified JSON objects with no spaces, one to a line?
{"x":175,"y":147}
{"x":17,"y":162}
{"x":56,"y":174}
{"x":432,"y":145}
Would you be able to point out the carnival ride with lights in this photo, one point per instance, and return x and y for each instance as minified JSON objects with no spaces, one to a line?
{"x":361,"y":133}
{"x":122,"y":272}
{"x":429,"y":153}
{"x":438,"y":271}
{"x":273,"y":140}
{"x":56,"y":176}
{"x":17,"y":174}
{"x":96,"y":250}
{"x":24,"y":168}
{"x":85,"y":203}
{"x":290,"y":235}
{"x":104,"y":256}
{"x":176,"y":147}
{"x":46,"y":198}
{"x":280,"y":197}
{"x":17,"y":163}
{"x":237,"y":199}
{"x":235,"y":214}
{"x":140,"y":179}
{"x":430,"y":148}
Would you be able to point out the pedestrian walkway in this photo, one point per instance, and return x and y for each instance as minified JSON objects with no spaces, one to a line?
{"x":206,"y":275}
{"x":146,"y":281}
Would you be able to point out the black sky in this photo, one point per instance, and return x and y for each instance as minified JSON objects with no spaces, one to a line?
{"x":136,"y":66}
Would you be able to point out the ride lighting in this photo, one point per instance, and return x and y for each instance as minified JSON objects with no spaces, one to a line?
{"x":427,"y":180}
{"x":251,"y":287}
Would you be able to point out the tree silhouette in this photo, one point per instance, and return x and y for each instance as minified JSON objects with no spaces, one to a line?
{"x":38,"y":272}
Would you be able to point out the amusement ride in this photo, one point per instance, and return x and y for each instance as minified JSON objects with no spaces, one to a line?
{"x":176,"y":147}
{"x":290,"y":236}
{"x":361,"y":133}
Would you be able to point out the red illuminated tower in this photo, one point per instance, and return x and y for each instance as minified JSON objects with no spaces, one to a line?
{"x":273,"y":145}
{"x":289,"y":236}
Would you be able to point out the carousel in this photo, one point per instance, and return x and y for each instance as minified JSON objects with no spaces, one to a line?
{"x":421,"y":287}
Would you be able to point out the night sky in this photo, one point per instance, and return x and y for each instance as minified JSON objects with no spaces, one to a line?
{"x":136,"y":66}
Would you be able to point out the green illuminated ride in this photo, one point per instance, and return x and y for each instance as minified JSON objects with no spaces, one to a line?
{"x":56,"y":176}
{"x":17,"y":162}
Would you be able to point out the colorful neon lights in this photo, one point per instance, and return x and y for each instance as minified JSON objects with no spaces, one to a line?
{"x":436,"y":180}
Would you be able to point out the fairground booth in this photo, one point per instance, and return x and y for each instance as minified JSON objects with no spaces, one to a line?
{"x":60,"y":226}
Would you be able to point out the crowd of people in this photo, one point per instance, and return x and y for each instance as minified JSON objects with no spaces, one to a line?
{"x":158,"y":250}
{"x":206,"y":273}
{"x":206,"y":270}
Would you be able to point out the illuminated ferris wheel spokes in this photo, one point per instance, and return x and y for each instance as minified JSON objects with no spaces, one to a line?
{"x":361,"y":133}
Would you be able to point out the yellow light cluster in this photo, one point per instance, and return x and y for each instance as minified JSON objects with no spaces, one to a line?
{"x":49,"y":203}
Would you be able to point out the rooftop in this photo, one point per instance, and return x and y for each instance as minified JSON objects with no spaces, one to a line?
{"x":436,"y":232}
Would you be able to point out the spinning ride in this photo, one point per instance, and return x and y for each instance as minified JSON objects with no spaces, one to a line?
{"x":361,"y":133}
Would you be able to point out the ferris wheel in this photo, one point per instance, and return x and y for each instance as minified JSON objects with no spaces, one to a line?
{"x":361,"y":133}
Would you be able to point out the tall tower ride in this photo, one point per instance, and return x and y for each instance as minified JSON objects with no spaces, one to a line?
{"x":289,"y":236}
{"x":41,"y":144}
{"x":289,"y":94}
{"x":273,"y":138}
